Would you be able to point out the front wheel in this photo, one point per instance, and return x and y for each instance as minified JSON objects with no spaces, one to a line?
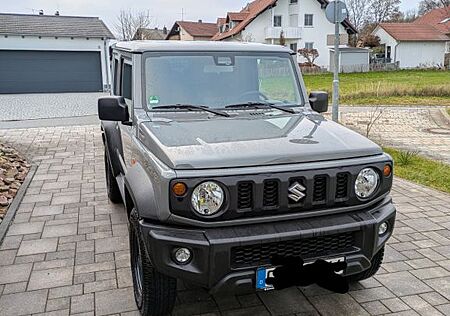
{"x":154,"y":292}
{"x":374,"y":267}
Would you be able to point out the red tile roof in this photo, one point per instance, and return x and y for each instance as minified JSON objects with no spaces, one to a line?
{"x":221,"y":21}
{"x":413,"y":32}
{"x":438,"y":18}
{"x":199,"y":29}
{"x":254,"y":9}
{"x":237,"y":16}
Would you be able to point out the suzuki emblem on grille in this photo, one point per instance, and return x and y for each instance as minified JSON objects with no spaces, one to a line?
{"x":296,"y":192}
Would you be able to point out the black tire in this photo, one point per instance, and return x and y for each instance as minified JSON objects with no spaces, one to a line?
{"x":112,"y":187}
{"x":376,"y":262}
{"x":154,"y":292}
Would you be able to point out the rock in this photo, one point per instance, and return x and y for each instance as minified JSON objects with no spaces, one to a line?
{"x":4,"y":188}
{"x":21,"y":176}
{"x":15,"y":185}
{"x":3,"y":201}
{"x":9,"y":180}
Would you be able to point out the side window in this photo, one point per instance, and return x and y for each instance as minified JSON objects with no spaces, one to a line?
{"x":309,"y":20}
{"x":116,"y":77}
{"x":127,"y":81}
{"x":277,"y":21}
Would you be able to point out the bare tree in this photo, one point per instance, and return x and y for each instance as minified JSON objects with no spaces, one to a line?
{"x":428,"y":5}
{"x":358,"y":10}
{"x":374,"y":115}
{"x":310,"y":54}
{"x":383,"y":10}
{"x":129,"y":22}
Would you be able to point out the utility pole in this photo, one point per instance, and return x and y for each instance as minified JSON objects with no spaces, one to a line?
{"x":336,"y":12}
{"x":337,"y":40}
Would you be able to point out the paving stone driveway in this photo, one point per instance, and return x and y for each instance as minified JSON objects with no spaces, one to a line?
{"x":15,"y":107}
{"x":422,"y":129}
{"x":67,"y":250}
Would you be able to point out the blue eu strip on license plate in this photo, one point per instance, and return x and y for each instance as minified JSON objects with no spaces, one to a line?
{"x":261,"y":276}
{"x":262,"y":273}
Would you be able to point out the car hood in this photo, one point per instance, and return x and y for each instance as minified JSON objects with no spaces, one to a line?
{"x":248,"y":141}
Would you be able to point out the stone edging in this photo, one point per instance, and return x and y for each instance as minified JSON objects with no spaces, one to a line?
{"x":12,"y":209}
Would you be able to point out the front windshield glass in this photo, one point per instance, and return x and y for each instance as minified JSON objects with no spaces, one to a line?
{"x":218,"y":80}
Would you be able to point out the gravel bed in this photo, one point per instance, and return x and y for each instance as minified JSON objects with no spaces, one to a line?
{"x":13,"y":170}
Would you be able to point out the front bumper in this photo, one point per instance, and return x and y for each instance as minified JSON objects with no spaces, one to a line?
{"x":214,"y":264}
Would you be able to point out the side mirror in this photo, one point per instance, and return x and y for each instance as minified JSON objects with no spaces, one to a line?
{"x":319,"y":101}
{"x":113,"y":109}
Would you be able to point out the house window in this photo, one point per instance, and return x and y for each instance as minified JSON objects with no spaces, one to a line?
{"x":308,"y":20}
{"x":293,"y":1}
{"x":127,"y":79}
{"x":277,"y":21}
{"x":293,"y":20}
{"x":293,"y":46}
{"x":309,"y":45}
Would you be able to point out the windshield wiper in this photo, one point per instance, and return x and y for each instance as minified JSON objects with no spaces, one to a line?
{"x":255,"y":105}
{"x":191,"y":107}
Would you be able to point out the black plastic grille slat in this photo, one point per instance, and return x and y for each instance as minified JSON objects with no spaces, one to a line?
{"x":260,"y":254}
{"x":320,"y":188}
{"x":270,"y":195}
{"x":341,"y":185}
{"x":245,"y":195}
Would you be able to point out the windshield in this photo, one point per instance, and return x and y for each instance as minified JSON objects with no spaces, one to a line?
{"x":217,"y":80}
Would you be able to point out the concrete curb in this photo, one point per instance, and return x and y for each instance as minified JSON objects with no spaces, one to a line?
{"x":11,"y":213}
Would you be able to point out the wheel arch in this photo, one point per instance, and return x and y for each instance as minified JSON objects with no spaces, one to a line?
{"x":113,"y":145}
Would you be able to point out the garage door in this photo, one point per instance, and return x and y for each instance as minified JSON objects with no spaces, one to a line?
{"x":49,"y":71}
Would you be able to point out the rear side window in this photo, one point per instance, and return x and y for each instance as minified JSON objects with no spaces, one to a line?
{"x":127,"y":72}
{"x":116,"y":76}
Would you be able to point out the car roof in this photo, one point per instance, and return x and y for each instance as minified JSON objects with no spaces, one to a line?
{"x":155,"y":46}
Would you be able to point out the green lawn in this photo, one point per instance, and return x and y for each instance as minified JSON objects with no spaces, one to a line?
{"x":403,"y":87}
{"x":421,"y":170}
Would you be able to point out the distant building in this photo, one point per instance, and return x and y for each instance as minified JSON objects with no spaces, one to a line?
{"x":53,"y":53}
{"x":413,"y":44}
{"x":302,"y":23}
{"x":192,"y":31}
{"x":424,"y":42}
{"x":151,"y":34}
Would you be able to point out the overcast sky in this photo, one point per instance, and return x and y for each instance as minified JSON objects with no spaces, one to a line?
{"x":164,"y":12}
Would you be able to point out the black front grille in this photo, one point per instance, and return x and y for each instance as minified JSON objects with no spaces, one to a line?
{"x":245,"y":195}
{"x":260,"y":254}
{"x":341,"y":185}
{"x":320,"y":189}
{"x":270,"y":195}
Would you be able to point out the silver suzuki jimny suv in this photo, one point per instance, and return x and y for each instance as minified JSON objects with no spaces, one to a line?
{"x":223,"y":160}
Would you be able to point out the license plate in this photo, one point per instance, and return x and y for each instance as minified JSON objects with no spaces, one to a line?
{"x":262,"y":273}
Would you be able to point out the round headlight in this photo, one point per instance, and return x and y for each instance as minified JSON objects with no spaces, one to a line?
{"x":366,"y":183}
{"x":207,"y":198}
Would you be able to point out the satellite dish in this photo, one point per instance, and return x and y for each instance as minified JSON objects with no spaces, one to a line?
{"x":342,"y":12}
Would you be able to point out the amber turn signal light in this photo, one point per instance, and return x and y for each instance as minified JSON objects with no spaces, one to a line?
{"x":179,"y":189}
{"x":387,"y":170}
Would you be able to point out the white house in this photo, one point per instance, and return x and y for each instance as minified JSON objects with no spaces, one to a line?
{"x":53,"y":53}
{"x":412,"y":44}
{"x":303,"y":23}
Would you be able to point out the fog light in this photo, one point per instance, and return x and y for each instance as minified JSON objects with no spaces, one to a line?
{"x":182,"y":255}
{"x":382,"y":229}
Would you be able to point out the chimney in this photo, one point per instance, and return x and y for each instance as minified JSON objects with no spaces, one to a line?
{"x":164,"y":30}
{"x":200,"y":21}
{"x":41,"y":12}
{"x":57,"y":13}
